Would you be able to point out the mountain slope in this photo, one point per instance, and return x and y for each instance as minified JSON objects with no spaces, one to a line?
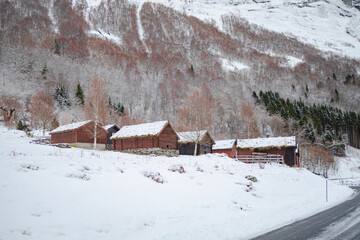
{"x":153,"y":55}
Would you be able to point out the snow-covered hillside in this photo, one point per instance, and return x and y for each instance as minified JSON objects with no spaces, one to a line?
{"x":328,"y":25}
{"x":348,"y":167}
{"x":52,"y":193}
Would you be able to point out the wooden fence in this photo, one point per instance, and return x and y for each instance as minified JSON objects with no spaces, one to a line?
{"x":269,"y":158}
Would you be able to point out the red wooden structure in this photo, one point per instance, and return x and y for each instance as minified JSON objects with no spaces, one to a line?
{"x":226,"y":146}
{"x":80,"y":134}
{"x":147,"y":135}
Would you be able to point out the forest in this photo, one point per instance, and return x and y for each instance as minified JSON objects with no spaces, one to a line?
{"x":154,"y":61}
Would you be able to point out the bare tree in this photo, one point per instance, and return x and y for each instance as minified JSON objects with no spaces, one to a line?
{"x":42,"y":110}
{"x":9,"y":104}
{"x":196,"y":114}
{"x":95,"y":106}
{"x":247,"y":115}
{"x":317,"y":159}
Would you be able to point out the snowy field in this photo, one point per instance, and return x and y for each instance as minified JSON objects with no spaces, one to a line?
{"x":52,"y":193}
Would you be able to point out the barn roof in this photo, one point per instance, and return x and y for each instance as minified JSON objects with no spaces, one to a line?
{"x":224,"y":144}
{"x":69,"y":127}
{"x":186,"y":137}
{"x":141,"y":130}
{"x":107,"y":127}
{"x":267,"y":142}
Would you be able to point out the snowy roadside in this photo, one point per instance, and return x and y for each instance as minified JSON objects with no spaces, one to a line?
{"x":52,"y":193}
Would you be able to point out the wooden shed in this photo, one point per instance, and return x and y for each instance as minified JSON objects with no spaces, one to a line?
{"x":80,"y":134}
{"x":157,"y":135}
{"x":284,"y":146}
{"x":188,"y":139}
{"x":226,"y":146}
{"x":112,"y":129}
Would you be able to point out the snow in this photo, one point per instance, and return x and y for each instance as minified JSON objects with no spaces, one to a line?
{"x":267,"y":142}
{"x":106,"y":127}
{"x":348,"y":167}
{"x":233,"y":65}
{"x":106,"y":36}
{"x":69,"y":127}
{"x":224,"y":144}
{"x":328,"y":25}
{"x":293,"y":61}
{"x":52,"y":193}
{"x":186,"y":137}
{"x":139,"y":130}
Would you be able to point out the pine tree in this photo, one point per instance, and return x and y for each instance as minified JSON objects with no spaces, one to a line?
{"x":79,"y":94}
{"x":57,"y":48}
{"x":62,"y":97}
{"x":44,"y":72}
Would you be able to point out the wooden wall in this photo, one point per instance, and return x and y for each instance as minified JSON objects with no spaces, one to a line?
{"x":167,"y":140}
{"x":288,"y":153}
{"x":82,"y":134}
{"x":64,"y":137}
{"x":230,"y":152}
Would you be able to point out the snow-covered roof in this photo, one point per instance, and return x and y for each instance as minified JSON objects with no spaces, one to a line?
{"x":224,"y":144}
{"x":140,"y":130}
{"x":109,"y":126}
{"x":186,"y":137}
{"x":267,"y":142}
{"x":69,"y":127}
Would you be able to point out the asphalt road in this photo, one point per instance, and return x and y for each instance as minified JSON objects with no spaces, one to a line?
{"x":341,"y":222}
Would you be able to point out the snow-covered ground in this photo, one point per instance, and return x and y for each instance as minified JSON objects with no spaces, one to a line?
{"x":52,"y":193}
{"x":348,"y":168}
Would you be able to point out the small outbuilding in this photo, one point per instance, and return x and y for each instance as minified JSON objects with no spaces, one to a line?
{"x":226,"y":146}
{"x":147,"y":138}
{"x":80,"y":134}
{"x":284,"y":146}
{"x":188,"y":140}
{"x":112,"y":129}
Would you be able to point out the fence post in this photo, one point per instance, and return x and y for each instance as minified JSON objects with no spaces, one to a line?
{"x":326,"y":190}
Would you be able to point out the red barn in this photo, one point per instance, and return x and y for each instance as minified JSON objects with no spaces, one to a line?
{"x":226,"y":146}
{"x":149,"y":137}
{"x":284,"y":146}
{"x":80,"y":134}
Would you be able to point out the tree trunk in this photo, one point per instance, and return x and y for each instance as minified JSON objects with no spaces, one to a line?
{"x":44,"y":125}
{"x":196,"y":145}
{"x":95,"y":134}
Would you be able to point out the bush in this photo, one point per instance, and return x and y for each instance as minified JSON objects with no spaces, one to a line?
{"x":177,"y":168}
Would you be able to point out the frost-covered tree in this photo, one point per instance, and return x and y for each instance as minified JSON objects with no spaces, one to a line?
{"x":42,"y":110}
{"x":196,"y":115}
{"x":95,"y":107}
{"x":9,"y":105}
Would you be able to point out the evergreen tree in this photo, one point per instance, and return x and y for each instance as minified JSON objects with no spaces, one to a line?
{"x":79,"y":94}
{"x":62,"y":97}
{"x":44,"y":72}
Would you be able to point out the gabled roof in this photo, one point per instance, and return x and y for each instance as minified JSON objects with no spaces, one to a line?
{"x":69,"y":127}
{"x":189,"y":137}
{"x":107,"y":127}
{"x":141,"y":130}
{"x":224,"y":144}
{"x":267,"y":142}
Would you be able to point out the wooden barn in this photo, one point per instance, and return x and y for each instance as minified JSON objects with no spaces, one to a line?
{"x":284,"y":146}
{"x":155,"y":135}
{"x":226,"y":146}
{"x":80,"y":134}
{"x":188,"y":139}
{"x":112,"y":129}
